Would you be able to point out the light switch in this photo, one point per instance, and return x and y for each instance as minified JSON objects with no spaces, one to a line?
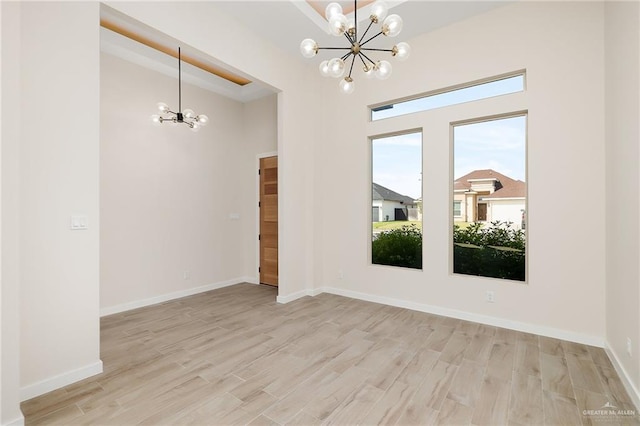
{"x":234,"y":216}
{"x":79,"y":223}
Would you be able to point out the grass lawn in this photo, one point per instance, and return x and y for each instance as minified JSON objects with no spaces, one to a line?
{"x":387,"y":226}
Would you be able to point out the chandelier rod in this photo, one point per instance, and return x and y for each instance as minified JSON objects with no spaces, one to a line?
{"x":355,"y":20}
{"x":365,"y":31}
{"x":352,"y":61}
{"x":179,"y":83}
{"x":366,"y":57}
{"x":362,"y":44}
{"x":377,"y":50}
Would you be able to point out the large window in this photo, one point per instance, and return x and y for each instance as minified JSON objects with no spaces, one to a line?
{"x":396,"y":188}
{"x":489,"y":185}
{"x":453,"y":96}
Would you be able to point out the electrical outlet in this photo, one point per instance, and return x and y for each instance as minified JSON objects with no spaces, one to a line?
{"x":340,"y":274}
{"x":490,"y":297}
{"x":186,"y":275}
{"x":629,"y":346}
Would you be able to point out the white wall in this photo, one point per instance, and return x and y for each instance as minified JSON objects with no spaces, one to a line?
{"x":58,"y":177}
{"x":297,"y":114}
{"x":561,"y":47}
{"x":167,"y":193}
{"x":622,"y":83}
{"x":9,"y":214}
{"x":260,"y":135}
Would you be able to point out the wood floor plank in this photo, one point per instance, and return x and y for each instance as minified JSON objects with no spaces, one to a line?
{"x":560,"y":410}
{"x":467,"y":384}
{"x":583,"y":373}
{"x":501,"y":361}
{"x":234,"y":356}
{"x":527,"y":358}
{"x":525,"y":406}
{"x":492,"y":407}
{"x":555,"y":375}
{"x":435,"y":387}
{"x":454,"y":413}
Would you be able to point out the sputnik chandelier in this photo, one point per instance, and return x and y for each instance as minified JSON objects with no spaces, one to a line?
{"x":187,"y":116}
{"x":340,"y":26}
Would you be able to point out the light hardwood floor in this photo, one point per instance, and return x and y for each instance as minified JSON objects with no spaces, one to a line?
{"x":235,"y":356}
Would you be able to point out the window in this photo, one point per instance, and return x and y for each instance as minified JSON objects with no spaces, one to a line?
{"x":396,"y":200}
{"x":471,"y":92}
{"x":489,"y":170}
{"x":457,"y":205}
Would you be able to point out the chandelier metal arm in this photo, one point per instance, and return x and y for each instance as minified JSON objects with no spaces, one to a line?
{"x":367,"y":58}
{"x":378,"y":50}
{"x":363,"y":62}
{"x":365,"y":32}
{"x":346,"y":56}
{"x":371,"y":38}
{"x":346,"y":34}
{"x":352,"y":61}
{"x":334,"y":48}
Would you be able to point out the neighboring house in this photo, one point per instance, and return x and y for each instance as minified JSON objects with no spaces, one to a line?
{"x":389,"y":205}
{"x":487,"y":196}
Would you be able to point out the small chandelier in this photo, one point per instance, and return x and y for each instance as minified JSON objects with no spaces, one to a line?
{"x":339,"y":26}
{"x":187,"y":116}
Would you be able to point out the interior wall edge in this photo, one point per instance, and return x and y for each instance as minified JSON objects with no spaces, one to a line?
{"x":116,"y":309}
{"x":631,"y":389}
{"x":60,"y":380}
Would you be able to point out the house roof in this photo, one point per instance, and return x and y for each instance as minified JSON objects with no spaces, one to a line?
{"x":382,"y":193}
{"x":505,"y":186}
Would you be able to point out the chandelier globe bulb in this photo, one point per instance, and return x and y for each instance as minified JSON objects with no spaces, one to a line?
{"x":379,"y":11}
{"x":336,"y":67}
{"x":324,"y":68}
{"x":308,"y":48}
{"x":383,"y":70}
{"x":202,"y":119}
{"x":401,"y":51}
{"x":332,"y":10}
{"x":392,"y":25}
{"x":156,"y":120}
{"x":338,"y":25}
{"x":346,"y":85}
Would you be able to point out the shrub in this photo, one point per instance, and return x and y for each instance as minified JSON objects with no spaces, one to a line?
{"x":497,"y":251}
{"x":398,"y":247}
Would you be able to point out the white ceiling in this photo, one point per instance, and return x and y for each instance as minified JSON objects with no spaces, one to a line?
{"x":285,"y":23}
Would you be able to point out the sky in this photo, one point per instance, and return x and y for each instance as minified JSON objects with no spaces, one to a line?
{"x":498,"y":144}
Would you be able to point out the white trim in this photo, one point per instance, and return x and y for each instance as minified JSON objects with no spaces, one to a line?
{"x":299,"y":294}
{"x":632,"y":390}
{"x":171,"y":296}
{"x":16,"y":422}
{"x":482,"y":319}
{"x":61,"y":380}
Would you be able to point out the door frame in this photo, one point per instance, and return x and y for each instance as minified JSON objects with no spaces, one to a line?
{"x":257,"y":212}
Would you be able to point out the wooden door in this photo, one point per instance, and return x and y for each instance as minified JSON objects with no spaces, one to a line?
{"x":482,"y":212}
{"x":269,"y":221}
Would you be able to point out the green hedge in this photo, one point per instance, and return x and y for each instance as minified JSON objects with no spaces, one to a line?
{"x":398,"y":247}
{"x":497,"y":251}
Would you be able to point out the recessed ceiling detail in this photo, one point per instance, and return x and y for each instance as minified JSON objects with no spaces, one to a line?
{"x":168,"y":50}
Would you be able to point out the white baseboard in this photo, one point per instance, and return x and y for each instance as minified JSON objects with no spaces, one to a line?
{"x":61,"y":380}
{"x":632,"y":390}
{"x":294,"y":296}
{"x":15,"y":422}
{"x":171,"y":296}
{"x":251,"y":280}
{"x":453,"y":313}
